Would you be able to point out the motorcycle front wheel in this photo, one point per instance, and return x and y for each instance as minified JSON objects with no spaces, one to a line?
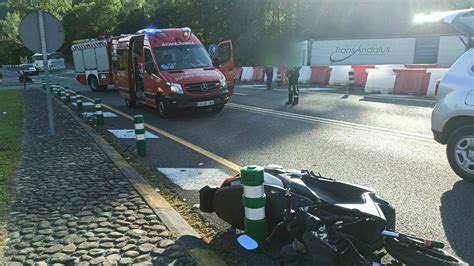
{"x":418,"y":255}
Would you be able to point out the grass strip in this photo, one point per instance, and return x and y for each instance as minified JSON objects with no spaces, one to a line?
{"x":11,"y":116}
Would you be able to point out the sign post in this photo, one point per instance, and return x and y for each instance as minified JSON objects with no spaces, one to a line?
{"x":42,"y":33}
{"x":46,"y":72}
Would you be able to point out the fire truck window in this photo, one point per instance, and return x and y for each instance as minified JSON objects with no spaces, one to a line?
{"x":224,"y":54}
{"x":149,"y":64}
{"x":182,"y":57}
{"x":122,"y":60}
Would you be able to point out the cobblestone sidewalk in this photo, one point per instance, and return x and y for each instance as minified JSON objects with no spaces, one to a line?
{"x":74,"y":207}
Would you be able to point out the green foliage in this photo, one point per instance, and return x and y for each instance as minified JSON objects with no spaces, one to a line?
{"x":258,"y":29}
{"x":11,"y":50}
{"x":55,"y":7}
{"x":9,"y":26}
{"x":10,"y":136}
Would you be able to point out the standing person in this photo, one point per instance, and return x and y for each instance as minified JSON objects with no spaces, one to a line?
{"x":269,"y":73}
{"x":37,"y":67}
{"x":269,"y":62}
{"x":293,"y":89}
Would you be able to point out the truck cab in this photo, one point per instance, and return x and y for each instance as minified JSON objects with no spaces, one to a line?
{"x":169,"y":69}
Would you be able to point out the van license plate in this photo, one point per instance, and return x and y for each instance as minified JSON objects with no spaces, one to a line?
{"x":206,"y":103}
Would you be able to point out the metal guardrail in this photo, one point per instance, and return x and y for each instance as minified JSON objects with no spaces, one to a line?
{"x":10,"y":67}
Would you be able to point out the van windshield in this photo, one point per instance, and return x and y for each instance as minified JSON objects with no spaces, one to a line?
{"x":182,"y":57}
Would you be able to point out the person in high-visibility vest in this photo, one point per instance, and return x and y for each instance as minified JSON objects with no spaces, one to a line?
{"x":293,"y":89}
{"x":37,"y":67}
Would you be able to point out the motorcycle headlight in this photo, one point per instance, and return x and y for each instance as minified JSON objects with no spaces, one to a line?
{"x":175,"y":88}
{"x":222,"y":82}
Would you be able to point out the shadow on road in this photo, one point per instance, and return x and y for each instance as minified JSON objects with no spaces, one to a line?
{"x":457,"y":213}
{"x":400,"y":101}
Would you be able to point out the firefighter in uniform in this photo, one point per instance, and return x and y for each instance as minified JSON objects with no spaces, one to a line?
{"x":293,"y":89}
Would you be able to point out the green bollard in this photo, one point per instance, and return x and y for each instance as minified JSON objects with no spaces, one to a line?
{"x":78,"y":100}
{"x":98,"y":112}
{"x":351,"y":79}
{"x":68,"y":94}
{"x":140,"y":134}
{"x":254,"y":202}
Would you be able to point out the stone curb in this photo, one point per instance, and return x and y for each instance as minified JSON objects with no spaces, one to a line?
{"x":185,"y":234}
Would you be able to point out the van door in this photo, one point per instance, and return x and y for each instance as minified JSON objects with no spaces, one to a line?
{"x":225,"y":59}
{"x":150,"y":79}
{"x":120,"y":72}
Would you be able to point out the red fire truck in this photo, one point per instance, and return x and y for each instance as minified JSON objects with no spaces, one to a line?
{"x":169,"y":69}
{"x":92,"y":62}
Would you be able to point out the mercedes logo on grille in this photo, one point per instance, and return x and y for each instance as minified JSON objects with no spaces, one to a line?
{"x":204,"y":87}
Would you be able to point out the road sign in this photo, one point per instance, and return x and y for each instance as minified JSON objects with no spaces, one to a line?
{"x":42,"y":33}
{"x":213,"y":50}
{"x":30,"y":32}
{"x":23,"y":60}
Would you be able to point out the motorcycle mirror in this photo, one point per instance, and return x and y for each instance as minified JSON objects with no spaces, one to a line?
{"x":247,"y":242}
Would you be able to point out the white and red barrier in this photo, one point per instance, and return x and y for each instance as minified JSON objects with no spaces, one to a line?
{"x":339,"y":75}
{"x":305,"y":74}
{"x":275,"y":73}
{"x":435,"y":75}
{"x":247,"y":74}
{"x":396,"y":66}
{"x":412,"y":79}
{"x":237,"y":73}
{"x":380,"y":80}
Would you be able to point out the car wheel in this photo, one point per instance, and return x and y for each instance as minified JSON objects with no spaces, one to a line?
{"x":93,"y":83}
{"x":460,"y":151}
{"x":164,"y":110}
{"x":218,"y":108}
{"x":130,"y":103}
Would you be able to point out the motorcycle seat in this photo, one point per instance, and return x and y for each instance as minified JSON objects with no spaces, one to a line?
{"x":341,"y":194}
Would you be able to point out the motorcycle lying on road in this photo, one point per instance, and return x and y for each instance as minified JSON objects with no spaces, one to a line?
{"x":322,"y":221}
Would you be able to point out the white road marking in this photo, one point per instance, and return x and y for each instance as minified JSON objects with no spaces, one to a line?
{"x":194,"y":178}
{"x":63,"y":77}
{"x":316,"y":89}
{"x":398,"y":97}
{"x":106,"y":114}
{"x":84,"y":104}
{"x":320,"y":120}
{"x":242,"y":94}
{"x":130,"y":134}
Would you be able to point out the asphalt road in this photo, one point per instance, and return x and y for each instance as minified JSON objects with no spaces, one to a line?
{"x":348,"y":137}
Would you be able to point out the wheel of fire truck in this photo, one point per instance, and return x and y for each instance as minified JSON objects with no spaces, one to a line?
{"x":130,"y":103}
{"x":164,"y":110}
{"x":93,"y":82}
{"x":218,"y":108}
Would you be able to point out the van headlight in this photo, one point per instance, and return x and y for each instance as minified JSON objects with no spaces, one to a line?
{"x":222,"y":82}
{"x":175,"y":88}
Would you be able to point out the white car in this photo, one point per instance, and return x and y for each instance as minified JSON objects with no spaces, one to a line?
{"x":452,"y":120}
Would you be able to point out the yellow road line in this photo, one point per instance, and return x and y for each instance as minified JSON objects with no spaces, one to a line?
{"x":179,"y":140}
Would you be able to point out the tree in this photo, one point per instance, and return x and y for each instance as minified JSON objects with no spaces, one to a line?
{"x":56,"y":7}
{"x":9,"y":25}
{"x":91,"y":19}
